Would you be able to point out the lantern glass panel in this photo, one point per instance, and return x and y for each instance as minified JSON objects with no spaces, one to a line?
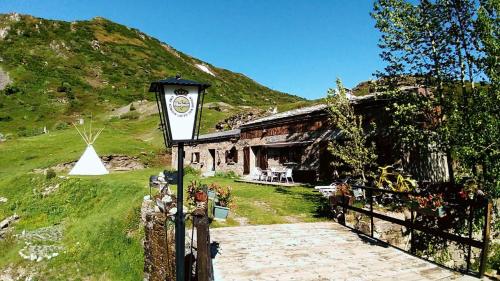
{"x":181,"y":106}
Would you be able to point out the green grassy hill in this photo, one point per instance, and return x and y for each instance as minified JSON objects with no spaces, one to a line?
{"x":54,"y":72}
{"x":60,"y":70}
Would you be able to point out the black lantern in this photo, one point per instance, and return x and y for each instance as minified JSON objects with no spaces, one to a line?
{"x":180,"y":104}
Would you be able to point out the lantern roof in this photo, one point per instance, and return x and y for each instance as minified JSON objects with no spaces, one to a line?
{"x":155,"y":86}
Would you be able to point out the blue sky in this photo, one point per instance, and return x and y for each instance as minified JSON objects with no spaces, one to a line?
{"x":298,"y":47}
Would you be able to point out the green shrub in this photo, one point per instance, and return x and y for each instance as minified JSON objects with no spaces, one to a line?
{"x":191,"y":171}
{"x":227,"y":175}
{"x":64,"y":88}
{"x":61,"y":125}
{"x":131,"y":115}
{"x":25,"y":132}
{"x":494,"y":259}
{"x":6,"y":118}
{"x":113,"y":119}
{"x":10,"y":90}
{"x":50,"y":174}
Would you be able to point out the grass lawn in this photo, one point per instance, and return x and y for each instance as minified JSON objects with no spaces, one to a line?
{"x":259,"y":204}
{"x":100,"y":216}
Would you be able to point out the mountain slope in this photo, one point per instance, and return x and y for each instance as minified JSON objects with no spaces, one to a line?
{"x":60,"y":69}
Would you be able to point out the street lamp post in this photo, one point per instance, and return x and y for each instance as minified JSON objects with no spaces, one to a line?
{"x":180,"y":104}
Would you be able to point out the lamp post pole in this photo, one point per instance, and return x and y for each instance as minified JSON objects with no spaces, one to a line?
{"x":180,"y":104}
{"x":179,"y":220}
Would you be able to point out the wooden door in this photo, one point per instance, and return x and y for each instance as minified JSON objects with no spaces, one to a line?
{"x":212,"y":156}
{"x":263,"y":158}
{"x":246,"y":160}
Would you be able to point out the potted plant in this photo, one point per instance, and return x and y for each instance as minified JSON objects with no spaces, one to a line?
{"x":225,"y":197}
{"x":196,"y":193}
{"x":343,"y":195}
{"x":200,"y":196}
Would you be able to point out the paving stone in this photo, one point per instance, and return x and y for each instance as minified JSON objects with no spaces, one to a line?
{"x":314,"y":251}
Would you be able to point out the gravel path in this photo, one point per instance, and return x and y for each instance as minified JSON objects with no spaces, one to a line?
{"x":314,"y":251}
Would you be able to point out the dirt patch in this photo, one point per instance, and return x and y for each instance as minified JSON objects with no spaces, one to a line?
{"x":219,"y":106}
{"x":171,"y":50}
{"x":241,"y":220}
{"x":292,"y":219}
{"x":264,"y":206}
{"x":144,"y":108}
{"x":12,"y":273}
{"x":112,"y":162}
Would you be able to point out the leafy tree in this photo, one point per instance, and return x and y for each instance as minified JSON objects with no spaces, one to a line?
{"x":447,"y":46}
{"x":353,"y":152}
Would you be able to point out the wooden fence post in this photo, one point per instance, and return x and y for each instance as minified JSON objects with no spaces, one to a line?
{"x":203,"y":251}
{"x":486,"y":239}
{"x":412,"y":232}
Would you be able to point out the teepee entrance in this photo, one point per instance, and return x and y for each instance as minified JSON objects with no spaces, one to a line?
{"x":89,"y":163}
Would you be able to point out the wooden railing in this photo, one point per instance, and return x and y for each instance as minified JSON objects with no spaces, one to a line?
{"x":412,"y":225}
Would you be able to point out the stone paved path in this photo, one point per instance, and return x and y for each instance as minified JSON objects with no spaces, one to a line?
{"x":314,"y":251}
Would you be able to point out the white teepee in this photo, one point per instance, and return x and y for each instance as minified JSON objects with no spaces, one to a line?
{"x":89,"y":163}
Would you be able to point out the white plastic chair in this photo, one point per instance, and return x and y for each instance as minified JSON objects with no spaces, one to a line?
{"x":272,"y":175}
{"x":287,"y":175}
{"x":257,"y":174}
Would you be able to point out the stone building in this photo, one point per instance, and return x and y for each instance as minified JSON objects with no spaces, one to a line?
{"x":292,"y":139}
{"x":296,"y":139}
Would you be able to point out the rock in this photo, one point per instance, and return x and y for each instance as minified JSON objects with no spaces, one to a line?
{"x":44,"y":234}
{"x":4,"y":32}
{"x":4,"y":79}
{"x":95,"y":45}
{"x":3,"y":200}
{"x":239,"y":119}
{"x":6,"y":222}
{"x":50,"y":189}
{"x":42,"y":243}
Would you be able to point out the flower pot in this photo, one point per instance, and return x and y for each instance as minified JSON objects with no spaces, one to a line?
{"x":211,"y":194}
{"x":342,"y":200}
{"x":220,"y":212}
{"x":200,"y":196}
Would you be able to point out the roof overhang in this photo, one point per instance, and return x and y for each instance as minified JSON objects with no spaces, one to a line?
{"x":287,"y":144}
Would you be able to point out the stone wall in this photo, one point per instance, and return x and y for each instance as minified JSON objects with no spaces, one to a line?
{"x":307,"y":167}
{"x":159,"y":245}
{"x":205,"y":160}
